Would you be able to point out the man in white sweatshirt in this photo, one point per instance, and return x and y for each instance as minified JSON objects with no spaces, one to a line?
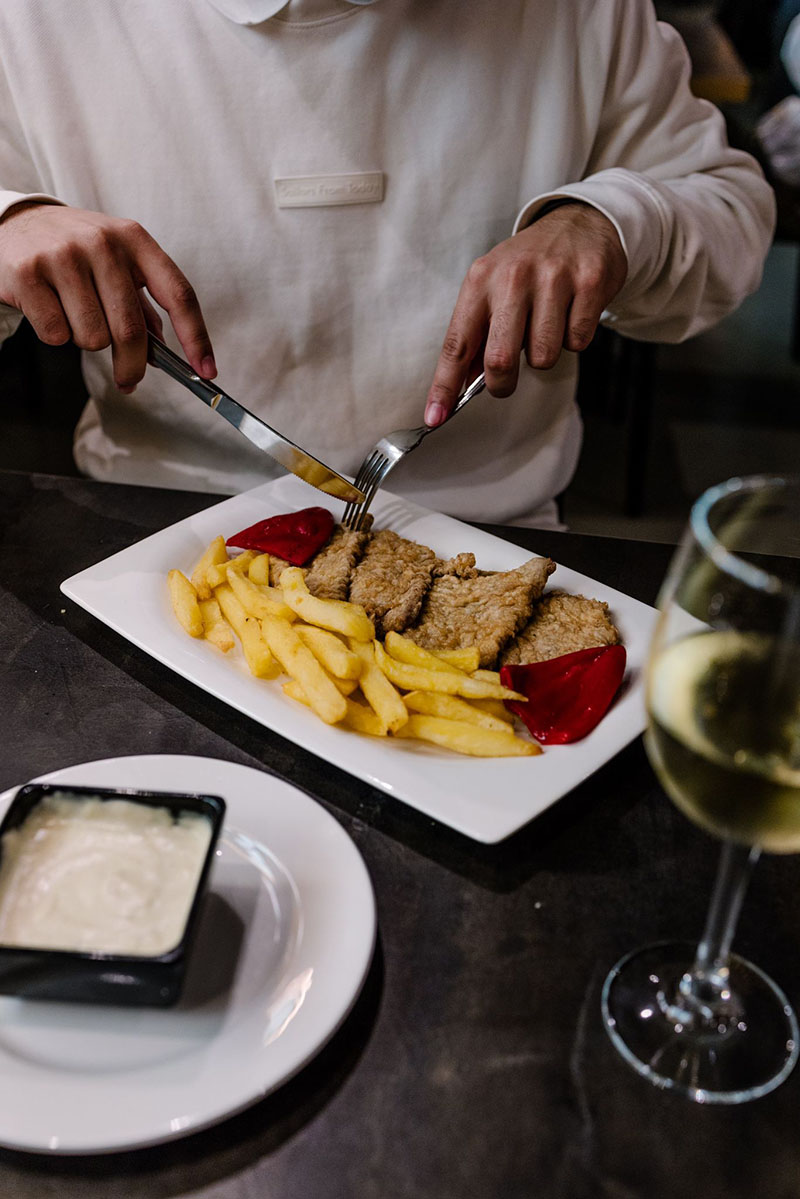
{"x":361,"y":194}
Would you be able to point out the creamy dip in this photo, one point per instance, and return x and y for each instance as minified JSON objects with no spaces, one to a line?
{"x":103,"y":876}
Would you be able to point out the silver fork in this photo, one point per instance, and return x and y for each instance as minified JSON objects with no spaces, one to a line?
{"x":388,"y":452}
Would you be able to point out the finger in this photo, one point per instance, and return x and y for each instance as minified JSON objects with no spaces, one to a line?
{"x":503,"y":348}
{"x":584,"y":317}
{"x":462,"y":341}
{"x":548,"y":325}
{"x":83,"y":308}
{"x":476,"y":366}
{"x":170,"y":288}
{"x":126,"y":322}
{"x":152,"y":317}
{"x":42,"y":307}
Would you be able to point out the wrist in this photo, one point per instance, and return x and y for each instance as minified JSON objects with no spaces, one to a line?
{"x":23,"y":206}
{"x":552,"y":205}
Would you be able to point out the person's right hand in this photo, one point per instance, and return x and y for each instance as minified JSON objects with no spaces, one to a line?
{"x":80,"y":275}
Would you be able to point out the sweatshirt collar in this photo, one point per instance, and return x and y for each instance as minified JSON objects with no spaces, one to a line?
{"x":253,"y":12}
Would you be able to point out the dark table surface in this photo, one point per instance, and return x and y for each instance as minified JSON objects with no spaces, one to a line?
{"x":474,"y":1062}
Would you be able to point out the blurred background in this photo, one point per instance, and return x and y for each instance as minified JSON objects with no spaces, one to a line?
{"x":662,"y":422}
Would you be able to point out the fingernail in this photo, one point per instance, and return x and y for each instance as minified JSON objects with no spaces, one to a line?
{"x":126,"y":391}
{"x":208,"y":367}
{"x":435,"y":414}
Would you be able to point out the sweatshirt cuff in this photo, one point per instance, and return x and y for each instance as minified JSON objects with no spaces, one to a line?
{"x":9,"y":199}
{"x":10,"y":318}
{"x":635,"y":208}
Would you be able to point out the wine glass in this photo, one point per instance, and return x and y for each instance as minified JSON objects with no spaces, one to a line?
{"x":723,"y":701}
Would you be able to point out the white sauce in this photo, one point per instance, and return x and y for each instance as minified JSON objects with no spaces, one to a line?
{"x":103,"y":876}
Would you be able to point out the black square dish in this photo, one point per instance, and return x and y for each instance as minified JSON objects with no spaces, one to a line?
{"x":84,"y":859}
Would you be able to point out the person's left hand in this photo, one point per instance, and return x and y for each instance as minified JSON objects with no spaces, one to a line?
{"x":543,"y":289}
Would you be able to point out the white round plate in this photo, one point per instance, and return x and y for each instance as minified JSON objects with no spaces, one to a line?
{"x":282,"y":951}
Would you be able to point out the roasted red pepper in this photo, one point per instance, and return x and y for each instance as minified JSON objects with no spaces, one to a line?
{"x":567,"y":696}
{"x":293,"y":536}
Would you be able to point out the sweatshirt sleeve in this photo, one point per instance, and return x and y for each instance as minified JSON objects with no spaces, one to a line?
{"x":19,"y":182}
{"x":695,"y":217}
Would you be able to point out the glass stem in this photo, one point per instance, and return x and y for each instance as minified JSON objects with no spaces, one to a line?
{"x":705,"y":989}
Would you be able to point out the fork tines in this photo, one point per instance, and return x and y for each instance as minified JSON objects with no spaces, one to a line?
{"x":388,"y":452}
{"x":370,"y":475}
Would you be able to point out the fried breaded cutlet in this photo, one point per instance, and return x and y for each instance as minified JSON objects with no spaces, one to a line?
{"x":328,"y":574}
{"x":462,"y":565}
{"x":330,"y":570}
{"x":391,"y":580}
{"x":449,"y":603}
{"x":394,"y":576}
{"x":485,"y":611}
{"x":560,"y":624}
{"x":276,"y":568}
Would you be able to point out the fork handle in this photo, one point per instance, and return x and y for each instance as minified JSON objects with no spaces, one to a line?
{"x":474,"y":389}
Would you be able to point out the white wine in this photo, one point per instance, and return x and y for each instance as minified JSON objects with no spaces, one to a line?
{"x":724,"y":735}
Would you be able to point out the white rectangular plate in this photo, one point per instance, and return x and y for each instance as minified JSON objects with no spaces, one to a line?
{"x":486,"y":799}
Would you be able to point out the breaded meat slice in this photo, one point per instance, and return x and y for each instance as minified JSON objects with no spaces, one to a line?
{"x":485,"y":611}
{"x":462,"y":565}
{"x":561,"y":624}
{"x":331,"y":569}
{"x":391,"y":581}
{"x":345,"y":547}
{"x":276,"y":568}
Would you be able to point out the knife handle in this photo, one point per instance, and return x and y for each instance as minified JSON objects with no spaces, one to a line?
{"x":162,"y":356}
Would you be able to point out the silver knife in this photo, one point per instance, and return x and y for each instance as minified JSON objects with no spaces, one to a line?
{"x":296,"y":461}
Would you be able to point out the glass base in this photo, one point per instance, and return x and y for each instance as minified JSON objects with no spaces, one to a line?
{"x":739,"y":1055}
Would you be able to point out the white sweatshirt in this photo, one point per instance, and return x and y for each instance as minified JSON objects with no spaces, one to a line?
{"x":456,"y":120}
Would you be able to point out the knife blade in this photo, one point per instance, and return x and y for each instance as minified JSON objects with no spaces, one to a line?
{"x":290,"y":456}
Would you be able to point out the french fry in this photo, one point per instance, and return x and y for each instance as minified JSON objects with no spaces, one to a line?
{"x":451,"y":707}
{"x":377,"y":690}
{"x":256,"y":600}
{"x":362,"y":719}
{"x":344,"y":686}
{"x":467,"y":738}
{"x":215,"y":553}
{"x":256,"y":651}
{"x":337,"y":615}
{"x":358,"y":717}
{"x":334,"y":655}
{"x":405,"y":650}
{"x":258,"y":570}
{"x":495,"y":707}
{"x":295,"y":691}
{"x":487,"y":676}
{"x":468,"y":659}
{"x":241,"y":561}
{"x":217,"y":573}
{"x":299,"y":662}
{"x":215,"y":627}
{"x":184,"y":603}
{"x":417,"y":678}
{"x":276,"y":595}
